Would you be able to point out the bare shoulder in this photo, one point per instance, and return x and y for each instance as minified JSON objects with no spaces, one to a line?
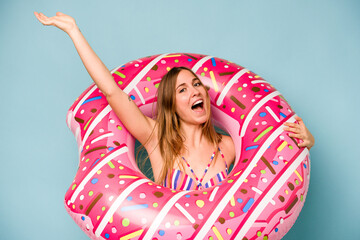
{"x":228,"y":148}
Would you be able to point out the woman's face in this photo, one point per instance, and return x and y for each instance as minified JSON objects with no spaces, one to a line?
{"x":190,"y":98}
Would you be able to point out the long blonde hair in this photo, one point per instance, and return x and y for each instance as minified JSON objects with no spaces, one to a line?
{"x":171,"y":141}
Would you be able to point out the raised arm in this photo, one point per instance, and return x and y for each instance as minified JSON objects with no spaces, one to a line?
{"x":134,"y":120}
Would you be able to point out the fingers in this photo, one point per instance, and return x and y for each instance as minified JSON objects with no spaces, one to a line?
{"x":292,"y":127}
{"x":298,"y":130}
{"x":37,"y":15}
{"x":54,"y":21}
{"x":60,"y":20}
{"x":298,"y":118}
{"x":300,"y":122}
{"x":42,"y":18}
{"x":292,"y":130}
{"x":296,"y":135}
{"x":290,"y":124}
{"x":303,"y":144}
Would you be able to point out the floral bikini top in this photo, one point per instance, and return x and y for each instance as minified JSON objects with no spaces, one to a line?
{"x":182,"y":181}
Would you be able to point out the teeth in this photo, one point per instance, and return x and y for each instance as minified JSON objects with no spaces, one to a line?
{"x":197,"y":102}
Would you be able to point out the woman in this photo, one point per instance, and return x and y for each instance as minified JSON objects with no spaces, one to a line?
{"x":182,"y":140}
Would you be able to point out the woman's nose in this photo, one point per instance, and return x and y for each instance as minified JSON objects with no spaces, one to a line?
{"x":195,"y":92}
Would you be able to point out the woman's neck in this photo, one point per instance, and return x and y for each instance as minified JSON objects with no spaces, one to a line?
{"x":193,"y":135}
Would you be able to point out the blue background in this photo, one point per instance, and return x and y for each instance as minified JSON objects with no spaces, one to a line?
{"x":309,"y":50}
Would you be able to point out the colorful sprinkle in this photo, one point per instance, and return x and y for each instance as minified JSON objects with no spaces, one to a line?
{"x":200,"y":203}
{"x":125,"y":222}
{"x":91,"y":99}
{"x":251,"y":147}
{"x":282,"y":145}
{"x":94,"y":180}
{"x":120,"y":74}
{"x":263,"y":133}
{"x":86,"y":125}
{"x":212,"y":76}
{"x":217,"y":233}
{"x":111,"y":164}
{"x":237,"y":102}
{"x":128,"y":176}
{"x":248,"y":205}
{"x":299,"y":176}
{"x":93,"y":203}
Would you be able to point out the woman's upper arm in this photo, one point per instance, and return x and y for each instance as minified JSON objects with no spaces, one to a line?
{"x":139,"y":125}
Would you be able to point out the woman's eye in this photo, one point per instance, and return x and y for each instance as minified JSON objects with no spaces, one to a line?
{"x":182,"y":90}
{"x":197,"y":84}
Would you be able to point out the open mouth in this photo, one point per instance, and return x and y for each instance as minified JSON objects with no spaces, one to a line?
{"x":198,"y":105}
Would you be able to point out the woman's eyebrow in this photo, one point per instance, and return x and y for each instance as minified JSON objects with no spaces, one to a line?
{"x":180,"y":85}
{"x":193,"y":80}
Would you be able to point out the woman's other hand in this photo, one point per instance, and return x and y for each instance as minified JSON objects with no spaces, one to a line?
{"x":300,"y":131}
{"x":61,"y":21}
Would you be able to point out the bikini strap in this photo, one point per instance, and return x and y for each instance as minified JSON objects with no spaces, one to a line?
{"x":206,"y":169}
{"x":226,"y":166}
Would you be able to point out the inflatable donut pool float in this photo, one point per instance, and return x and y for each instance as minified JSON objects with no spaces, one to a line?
{"x":261,"y":198}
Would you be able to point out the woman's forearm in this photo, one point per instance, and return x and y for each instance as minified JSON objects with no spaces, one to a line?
{"x":95,"y":67}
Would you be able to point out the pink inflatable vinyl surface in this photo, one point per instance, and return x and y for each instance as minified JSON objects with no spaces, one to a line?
{"x":261,"y":198}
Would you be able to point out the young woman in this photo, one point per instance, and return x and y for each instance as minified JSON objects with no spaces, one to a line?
{"x":181,"y":141}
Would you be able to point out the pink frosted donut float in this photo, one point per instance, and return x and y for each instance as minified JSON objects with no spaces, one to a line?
{"x":262,"y":197}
